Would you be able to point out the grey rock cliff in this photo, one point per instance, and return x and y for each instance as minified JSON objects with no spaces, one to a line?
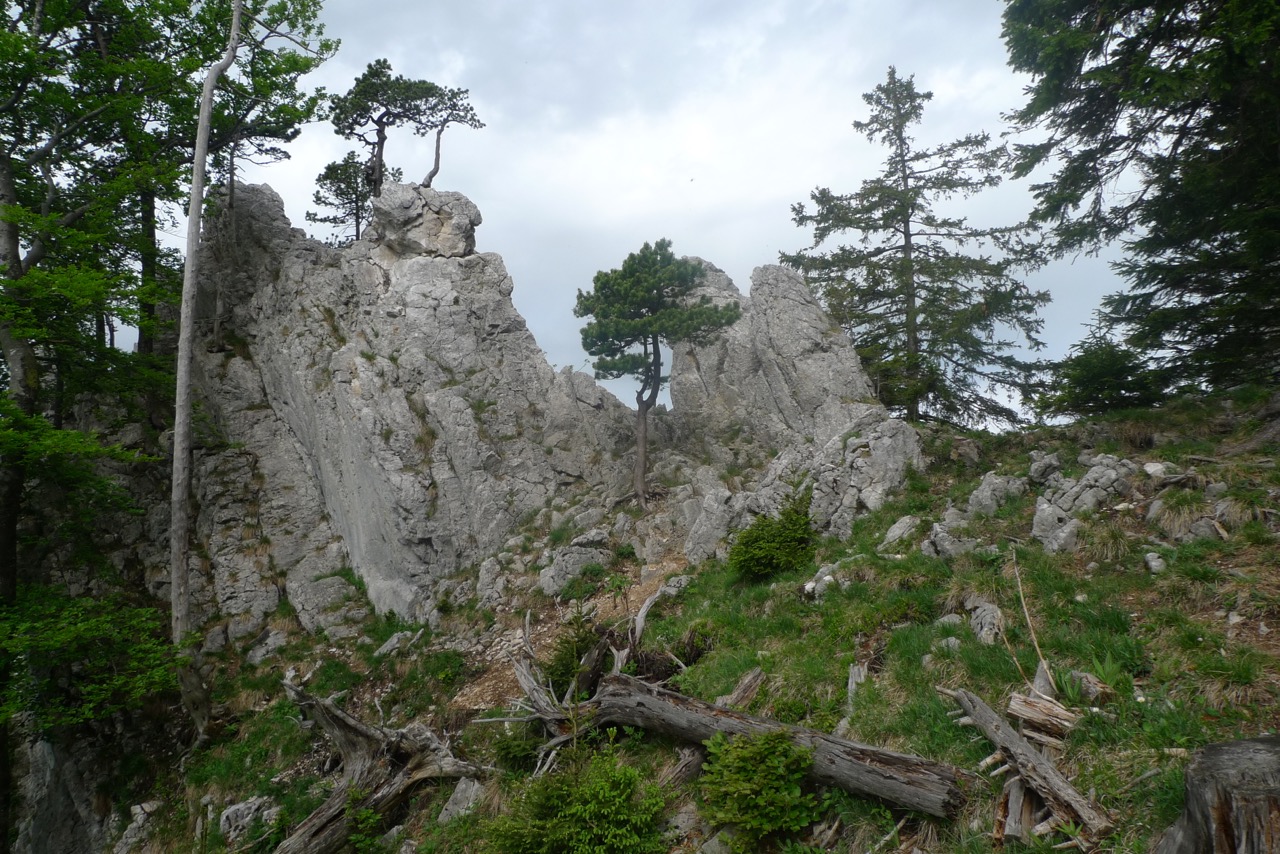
{"x":783,"y":372}
{"x":395,"y":413}
{"x":786,"y":375}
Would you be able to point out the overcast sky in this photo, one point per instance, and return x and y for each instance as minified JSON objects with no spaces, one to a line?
{"x":614,"y":123}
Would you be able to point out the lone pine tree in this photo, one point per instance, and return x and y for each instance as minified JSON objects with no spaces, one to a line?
{"x":637,"y":309}
{"x":931,"y":317}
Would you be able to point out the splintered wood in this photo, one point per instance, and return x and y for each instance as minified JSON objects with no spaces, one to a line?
{"x":1037,"y":798}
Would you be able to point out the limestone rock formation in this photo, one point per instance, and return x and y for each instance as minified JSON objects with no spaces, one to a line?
{"x":784,"y":371}
{"x":788,"y":376}
{"x":383,"y":409}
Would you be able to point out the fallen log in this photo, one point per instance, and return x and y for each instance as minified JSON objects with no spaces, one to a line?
{"x":898,"y":779}
{"x":380,"y":769}
{"x":1232,"y":801}
{"x":1065,"y":803}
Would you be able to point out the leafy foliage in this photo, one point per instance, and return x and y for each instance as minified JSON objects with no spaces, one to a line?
{"x":646,"y":303}
{"x":1102,"y":375}
{"x":1148,"y":112}
{"x":378,"y":101}
{"x":344,"y":188}
{"x":772,"y":546}
{"x":80,"y":659}
{"x":594,"y":804}
{"x":570,"y":646}
{"x":755,"y":784}
{"x":930,"y":318}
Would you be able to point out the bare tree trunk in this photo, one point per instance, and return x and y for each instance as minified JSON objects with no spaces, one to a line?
{"x":435,"y":166}
{"x":646,"y":397}
{"x":1065,"y":803}
{"x":194,"y":692}
{"x":380,"y":770}
{"x":639,"y":475}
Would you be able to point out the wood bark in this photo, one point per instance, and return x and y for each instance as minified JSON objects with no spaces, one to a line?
{"x":899,"y":779}
{"x":646,"y":397}
{"x":1036,"y":771}
{"x":380,"y":769}
{"x":1232,"y":801}
{"x":179,"y":507}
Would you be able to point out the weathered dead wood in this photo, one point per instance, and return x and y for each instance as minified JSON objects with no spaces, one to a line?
{"x":898,"y":779}
{"x":380,"y":769}
{"x":1232,"y":801}
{"x":692,"y":758}
{"x":744,"y":692}
{"x":1042,"y":714}
{"x":1036,"y":771}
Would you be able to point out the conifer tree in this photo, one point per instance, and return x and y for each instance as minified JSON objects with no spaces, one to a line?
{"x":637,"y":309}
{"x":933,"y":317}
{"x":378,"y":102}
{"x":344,"y":188}
{"x":1159,"y":121}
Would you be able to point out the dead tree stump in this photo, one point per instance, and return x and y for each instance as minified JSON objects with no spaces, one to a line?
{"x":380,"y":769}
{"x":1233,"y":801}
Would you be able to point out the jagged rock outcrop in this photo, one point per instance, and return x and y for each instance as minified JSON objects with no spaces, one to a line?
{"x":384,"y":409}
{"x":381,"y":411}
{"x":788,"y":376}
{"x":784,"y":372}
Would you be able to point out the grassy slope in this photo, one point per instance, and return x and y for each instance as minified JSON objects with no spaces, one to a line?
{"x":1189,"y":653}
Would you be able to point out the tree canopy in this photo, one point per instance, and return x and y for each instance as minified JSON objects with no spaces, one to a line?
{"x":1159,"y":123}
{"x":378,"y":101}
{"x":343,"y":187}
{"x":636,"y":309}
{"x":934,"y":321}
{"x":97,"y":121}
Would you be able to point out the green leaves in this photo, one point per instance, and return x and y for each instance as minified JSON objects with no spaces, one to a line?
{"x":930,"y":301}
{"x":1149,"y":112}
{"x":646,"y":303}
{"x":755,"y":784}
{"x":378,"y":101}
{"x":73,"y":660}
{"x":772,"y":546}
{"x":595,"y":804}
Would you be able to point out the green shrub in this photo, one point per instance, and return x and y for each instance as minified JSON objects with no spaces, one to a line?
{"x":1101,"y":376}
{"x":754,"y":783}
{"x":516,"y":747}
{"x":772,"y":546}
{"x":576,"y":641}
{"x":593,"y":804}
{"x":80,"y":659}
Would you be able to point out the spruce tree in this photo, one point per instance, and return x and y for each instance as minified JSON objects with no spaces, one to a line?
{"x":933,"y":316}
{"x":1159,"y":121}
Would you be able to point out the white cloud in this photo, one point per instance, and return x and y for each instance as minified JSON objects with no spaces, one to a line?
{"x":612,"y":124}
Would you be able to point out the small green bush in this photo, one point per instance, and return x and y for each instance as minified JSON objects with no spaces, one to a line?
{"x":772,"y":546}
{"x":594,"y":804}
{"x":1102,"y":375}
{"x":576,"y":641}
{"x":754,"y":783}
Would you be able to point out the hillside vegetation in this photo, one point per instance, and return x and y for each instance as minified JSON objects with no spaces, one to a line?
{"x":1181,"y":628}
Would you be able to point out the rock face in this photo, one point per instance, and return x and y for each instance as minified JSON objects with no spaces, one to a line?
{"x":383,"y":408}
{"x":380,"y":414}
{"x":784,"y":371}
{"x":788,"y":376}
